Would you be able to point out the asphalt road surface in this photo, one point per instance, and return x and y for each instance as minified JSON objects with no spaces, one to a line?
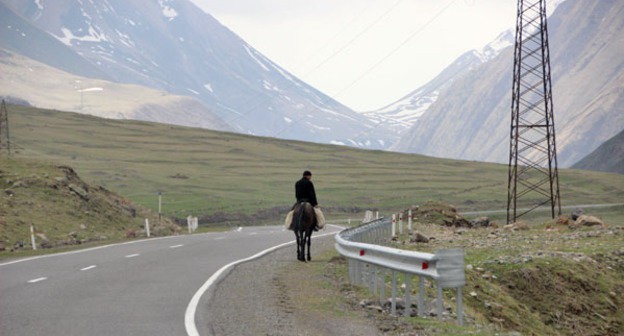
{"x":136,"y":288}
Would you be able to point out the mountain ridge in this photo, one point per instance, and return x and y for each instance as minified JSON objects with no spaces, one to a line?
{"x":471,"y":118}
{"x":172,"y":45}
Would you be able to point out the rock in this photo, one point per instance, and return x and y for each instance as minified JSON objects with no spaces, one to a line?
{"x":473,"y":294}
{"x":480,"y":222}
{"x":563,"y":220}
{"x":588,"y":221}
{"x":379,"y":309}
{"x":366,"y":302}
{"x":79,"y":191}
{"x":83,"y":227}
{"x":419,"y":238}
{"x":461,"y":230}
{"x":9,"y":192}
{"x":520,"y":226}
{"x":400,"y":303}
{"x":576,"y":213}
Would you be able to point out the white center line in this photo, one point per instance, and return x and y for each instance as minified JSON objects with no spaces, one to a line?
{"x":37,"y":280}
{"x":132,"y":255}
{"x":88,"y":268}
{"x":174,"y":246}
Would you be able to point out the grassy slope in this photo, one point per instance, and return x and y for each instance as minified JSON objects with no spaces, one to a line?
{"x":64,"y":210}
{"x":204,"y":172}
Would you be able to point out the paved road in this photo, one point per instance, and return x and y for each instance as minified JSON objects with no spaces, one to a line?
{"x":136,"y":288}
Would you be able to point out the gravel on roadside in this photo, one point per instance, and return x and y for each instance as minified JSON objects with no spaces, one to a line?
{"x":260,"y":297}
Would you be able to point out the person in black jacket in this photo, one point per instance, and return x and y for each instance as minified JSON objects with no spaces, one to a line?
{"x":304,"y":192}
{"x":304,"y":189}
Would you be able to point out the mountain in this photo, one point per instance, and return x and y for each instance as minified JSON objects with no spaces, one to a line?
{"x":470,"y":119}
{"x":37,"y":84}
{"x":174,"y":46}
{"x":609,"y":157}
{"x":404,"y":113}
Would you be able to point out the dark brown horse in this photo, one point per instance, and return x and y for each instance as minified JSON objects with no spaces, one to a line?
{"x":303,"y":223}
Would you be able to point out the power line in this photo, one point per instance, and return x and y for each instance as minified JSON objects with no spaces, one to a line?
{"x":391,"y":53}
{"x":345,"y":46}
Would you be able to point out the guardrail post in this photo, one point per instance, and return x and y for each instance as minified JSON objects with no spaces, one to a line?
{"x":439,"y":302}
{"x":394,"y":294}
{"x":393,"y":225}
{"x":382,"y":295}
{"x":409,"y":221}
{"x":400,"y":222}
{"x":375,"y":279}
{"x":421,"y":293}
{"x":460,"y":311}
{"x":408,"y":303}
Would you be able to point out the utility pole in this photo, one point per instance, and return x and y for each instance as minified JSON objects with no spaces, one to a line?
{"x":533,"y":176}
{"x":5,"y":140}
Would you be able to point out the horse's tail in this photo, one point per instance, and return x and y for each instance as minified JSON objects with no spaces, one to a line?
{"x":298,"y":217}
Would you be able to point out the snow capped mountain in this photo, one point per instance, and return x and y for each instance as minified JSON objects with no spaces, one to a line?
{"x":470,"y":120}
{"x":172,"y":45}
{"x":403,"y":114}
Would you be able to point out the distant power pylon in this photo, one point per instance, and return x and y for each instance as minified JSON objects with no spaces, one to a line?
{"x":533,"y":175}
{"x":5,"y":140}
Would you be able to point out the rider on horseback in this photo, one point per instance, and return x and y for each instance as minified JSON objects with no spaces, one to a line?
{"x":304,"y":192}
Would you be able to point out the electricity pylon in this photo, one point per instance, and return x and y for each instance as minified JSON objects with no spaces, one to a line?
{"x":533,"y":175}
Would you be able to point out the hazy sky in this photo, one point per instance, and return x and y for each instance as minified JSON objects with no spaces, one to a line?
{"x":364,"y":53}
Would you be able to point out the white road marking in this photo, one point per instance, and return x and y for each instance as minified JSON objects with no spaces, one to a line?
{"x":37,"y":280}
{"x":132,"y":255}
{"x":219,"y":238}
{"x":176,"y":246}
{"x":189,"y":315}
{"x":91,"y":249}
{"x":253,"y":233}
{"x":88,"y":268}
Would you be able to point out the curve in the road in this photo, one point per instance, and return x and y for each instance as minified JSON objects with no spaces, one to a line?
{"x":189,"y":316}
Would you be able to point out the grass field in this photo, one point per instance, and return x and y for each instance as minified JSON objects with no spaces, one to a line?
{"x":250,"y":179}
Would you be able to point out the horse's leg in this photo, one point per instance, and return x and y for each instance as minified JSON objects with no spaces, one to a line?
{"x":301,"y":246}
{"x":309,"y":241}
{"x":297,"y":237}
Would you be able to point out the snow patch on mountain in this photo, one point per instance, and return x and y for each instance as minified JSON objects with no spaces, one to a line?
{"x":251,"y":54}
{"x":169,"y":12}
{"x":91,"y":36}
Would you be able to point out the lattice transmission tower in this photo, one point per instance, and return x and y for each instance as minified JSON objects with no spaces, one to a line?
{"x":533,"y":175}
{"x":5,"y":140}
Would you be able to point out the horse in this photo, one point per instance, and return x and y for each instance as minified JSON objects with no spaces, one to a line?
{"x":303,"y":223}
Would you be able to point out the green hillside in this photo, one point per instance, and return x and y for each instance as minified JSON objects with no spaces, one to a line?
{"x":224,"y":176}
{"x":64,"y":210}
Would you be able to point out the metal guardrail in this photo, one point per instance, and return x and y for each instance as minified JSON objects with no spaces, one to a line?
{"x":369,"y":263}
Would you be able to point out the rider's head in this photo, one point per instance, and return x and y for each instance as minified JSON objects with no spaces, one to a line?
{"x":307,"y":174}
